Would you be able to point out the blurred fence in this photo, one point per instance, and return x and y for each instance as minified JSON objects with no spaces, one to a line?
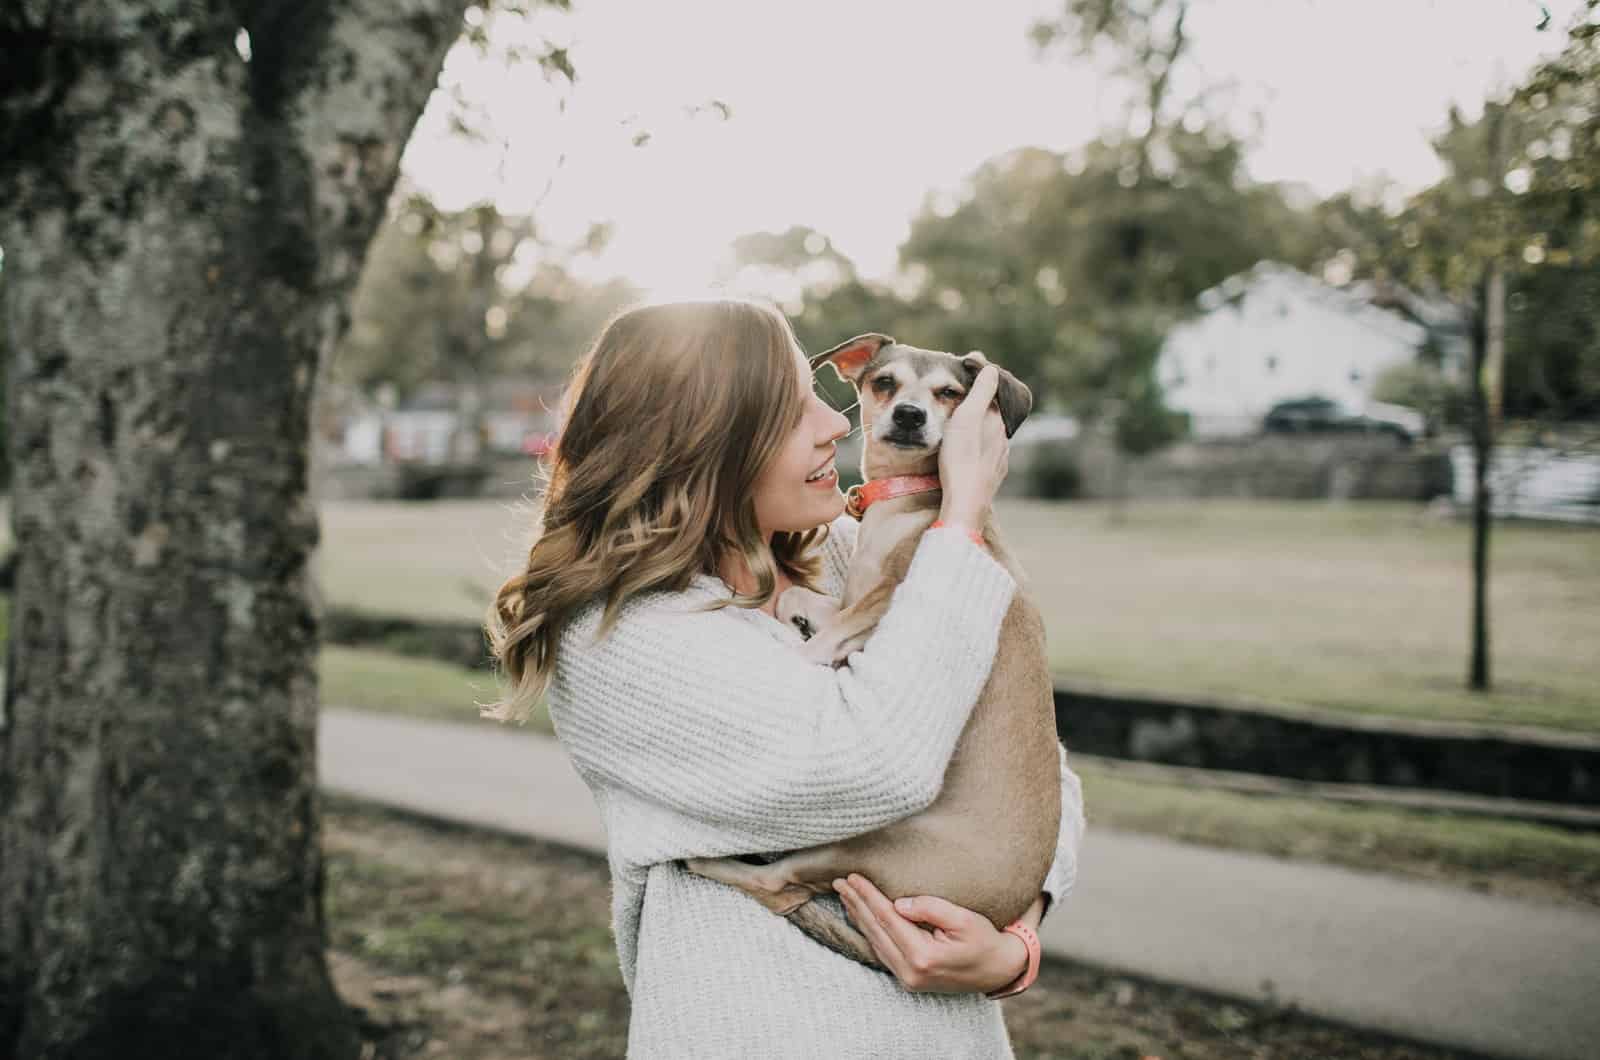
{"x":1533,"y":483}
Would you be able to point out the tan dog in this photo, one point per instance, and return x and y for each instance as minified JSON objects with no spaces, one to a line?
{"x":987,"y":841}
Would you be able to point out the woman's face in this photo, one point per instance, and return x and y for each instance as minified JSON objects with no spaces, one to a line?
{"x":790,"y":495}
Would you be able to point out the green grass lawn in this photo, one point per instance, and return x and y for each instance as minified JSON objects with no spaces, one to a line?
{"x":420,"y":688}
{"x":1503,"y":857}
{"x":1359,"y":606}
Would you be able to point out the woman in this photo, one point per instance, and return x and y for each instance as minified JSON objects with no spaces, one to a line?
{"x":692,"y":483}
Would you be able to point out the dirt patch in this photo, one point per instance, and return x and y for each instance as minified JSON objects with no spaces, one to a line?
{"x":477,"y":947}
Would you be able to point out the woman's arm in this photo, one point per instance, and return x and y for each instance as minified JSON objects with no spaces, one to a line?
{"x":837,"y":549}
{"x":742,"y":746}
{"x":1064,"y":870}
{"x":936,"y":946}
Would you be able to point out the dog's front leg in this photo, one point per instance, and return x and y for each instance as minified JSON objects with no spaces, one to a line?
{"x":772,"y":885}
{"x":806,"y":610}
{"x":852,"y":626}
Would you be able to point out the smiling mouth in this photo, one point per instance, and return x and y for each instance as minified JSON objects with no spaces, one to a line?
{"x":822,"y":474}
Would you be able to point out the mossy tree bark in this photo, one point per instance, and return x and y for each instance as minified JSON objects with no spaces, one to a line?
{"x":182,"y":226}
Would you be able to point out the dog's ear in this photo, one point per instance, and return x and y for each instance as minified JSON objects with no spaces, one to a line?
{"x":1012,"y":394}
{"x":850,"y":358}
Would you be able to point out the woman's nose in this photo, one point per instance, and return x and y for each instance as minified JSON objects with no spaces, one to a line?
{"x":839,"y":424}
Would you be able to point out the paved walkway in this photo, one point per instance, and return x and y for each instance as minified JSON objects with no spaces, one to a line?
{"x":1498,"y":976}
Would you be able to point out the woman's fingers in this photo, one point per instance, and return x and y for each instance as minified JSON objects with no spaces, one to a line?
{"x":933,"y":911}
{"x":993,"y":435}
{"x":979,"y":396}
{"x":909,"y":940}
{"x":868,"y":925}
{"x":974,"y":454}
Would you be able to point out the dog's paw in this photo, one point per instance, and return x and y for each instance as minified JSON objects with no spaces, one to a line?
{"x":822,"y":650}
{"x":830,"y":649}
{"x":804,"y":609}
{"x":848,"y":647}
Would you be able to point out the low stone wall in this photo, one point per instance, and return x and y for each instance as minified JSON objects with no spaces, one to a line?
{"x":457,"y":643}
{"x":501,"y":477}
{"x":1279,"y":467}
{"x":1501,"y":762}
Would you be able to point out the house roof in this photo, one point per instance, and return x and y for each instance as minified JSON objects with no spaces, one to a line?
{"x":1233,"y":290}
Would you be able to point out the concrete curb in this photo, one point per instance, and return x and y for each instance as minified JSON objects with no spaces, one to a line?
{"x":1325,"y":746}
{"x":1575,"y":818}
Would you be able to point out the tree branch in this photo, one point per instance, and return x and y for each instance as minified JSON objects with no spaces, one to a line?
{"x":380,"y":61}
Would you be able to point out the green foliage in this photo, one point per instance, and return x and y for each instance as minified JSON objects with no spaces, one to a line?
{"x":1074,"y":267}
{"x":1522,"y":189}
{"x":799,"y":250}
{"x":468,"y":295}
{"x":1054,"y":474}
{"x":5,"y":370}
{"x":1553,"y":342}
{"x":1068,"y":269}
{"x":1423,"y":387}
{"x":1144,"y":423}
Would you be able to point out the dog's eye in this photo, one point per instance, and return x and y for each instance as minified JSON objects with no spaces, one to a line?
{"x":950,"y":393}
{"x":883,"y":384}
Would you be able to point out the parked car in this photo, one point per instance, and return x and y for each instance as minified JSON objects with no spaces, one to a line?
{"x":1320,"y":415}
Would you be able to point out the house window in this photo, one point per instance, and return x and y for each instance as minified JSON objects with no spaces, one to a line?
{"x":1272,"y":363}
{"x":1355,"y":375}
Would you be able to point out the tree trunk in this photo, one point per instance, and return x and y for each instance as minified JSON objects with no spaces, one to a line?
{"x":182,"y":227}
{"x":1482,"y":452}
{"x":1494,"y":342}
{"x":1488,"y":370}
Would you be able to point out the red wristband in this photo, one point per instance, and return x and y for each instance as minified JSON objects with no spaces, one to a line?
{"x":1029,"y":974}
{"x":976,"y":535}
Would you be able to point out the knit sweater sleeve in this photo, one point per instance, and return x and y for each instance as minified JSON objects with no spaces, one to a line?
{"x":837,"y":549}
{"x":724,"y":740}
{"x":1063,"y":872}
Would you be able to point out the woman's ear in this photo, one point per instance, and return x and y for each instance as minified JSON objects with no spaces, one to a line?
{"x":1011,"y":394}
{"x":850,"y":358}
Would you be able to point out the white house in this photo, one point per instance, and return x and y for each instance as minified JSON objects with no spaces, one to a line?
{"x":1272,"y":334}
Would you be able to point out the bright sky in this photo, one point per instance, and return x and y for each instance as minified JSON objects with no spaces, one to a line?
{"x":846,"y":113}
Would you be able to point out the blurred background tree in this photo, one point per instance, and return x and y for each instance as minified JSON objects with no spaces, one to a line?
{"x":1071,"y":266}
{"x":1511,"y":236}
{"x":467,"y":295}
{"x":1531,"y":205}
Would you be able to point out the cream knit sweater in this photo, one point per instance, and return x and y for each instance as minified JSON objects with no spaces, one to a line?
{"x":706,"y":734}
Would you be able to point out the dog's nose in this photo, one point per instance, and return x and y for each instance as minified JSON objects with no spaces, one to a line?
{"x":909,"y":417}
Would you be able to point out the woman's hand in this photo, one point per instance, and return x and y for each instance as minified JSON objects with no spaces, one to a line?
{"x":973,"y":455}
{"x":958,"y":951}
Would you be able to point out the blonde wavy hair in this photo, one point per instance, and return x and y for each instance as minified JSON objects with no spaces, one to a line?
{"x":667,"y":423}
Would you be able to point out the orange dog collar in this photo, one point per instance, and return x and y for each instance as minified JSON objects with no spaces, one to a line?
{"x":857,"y":499}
